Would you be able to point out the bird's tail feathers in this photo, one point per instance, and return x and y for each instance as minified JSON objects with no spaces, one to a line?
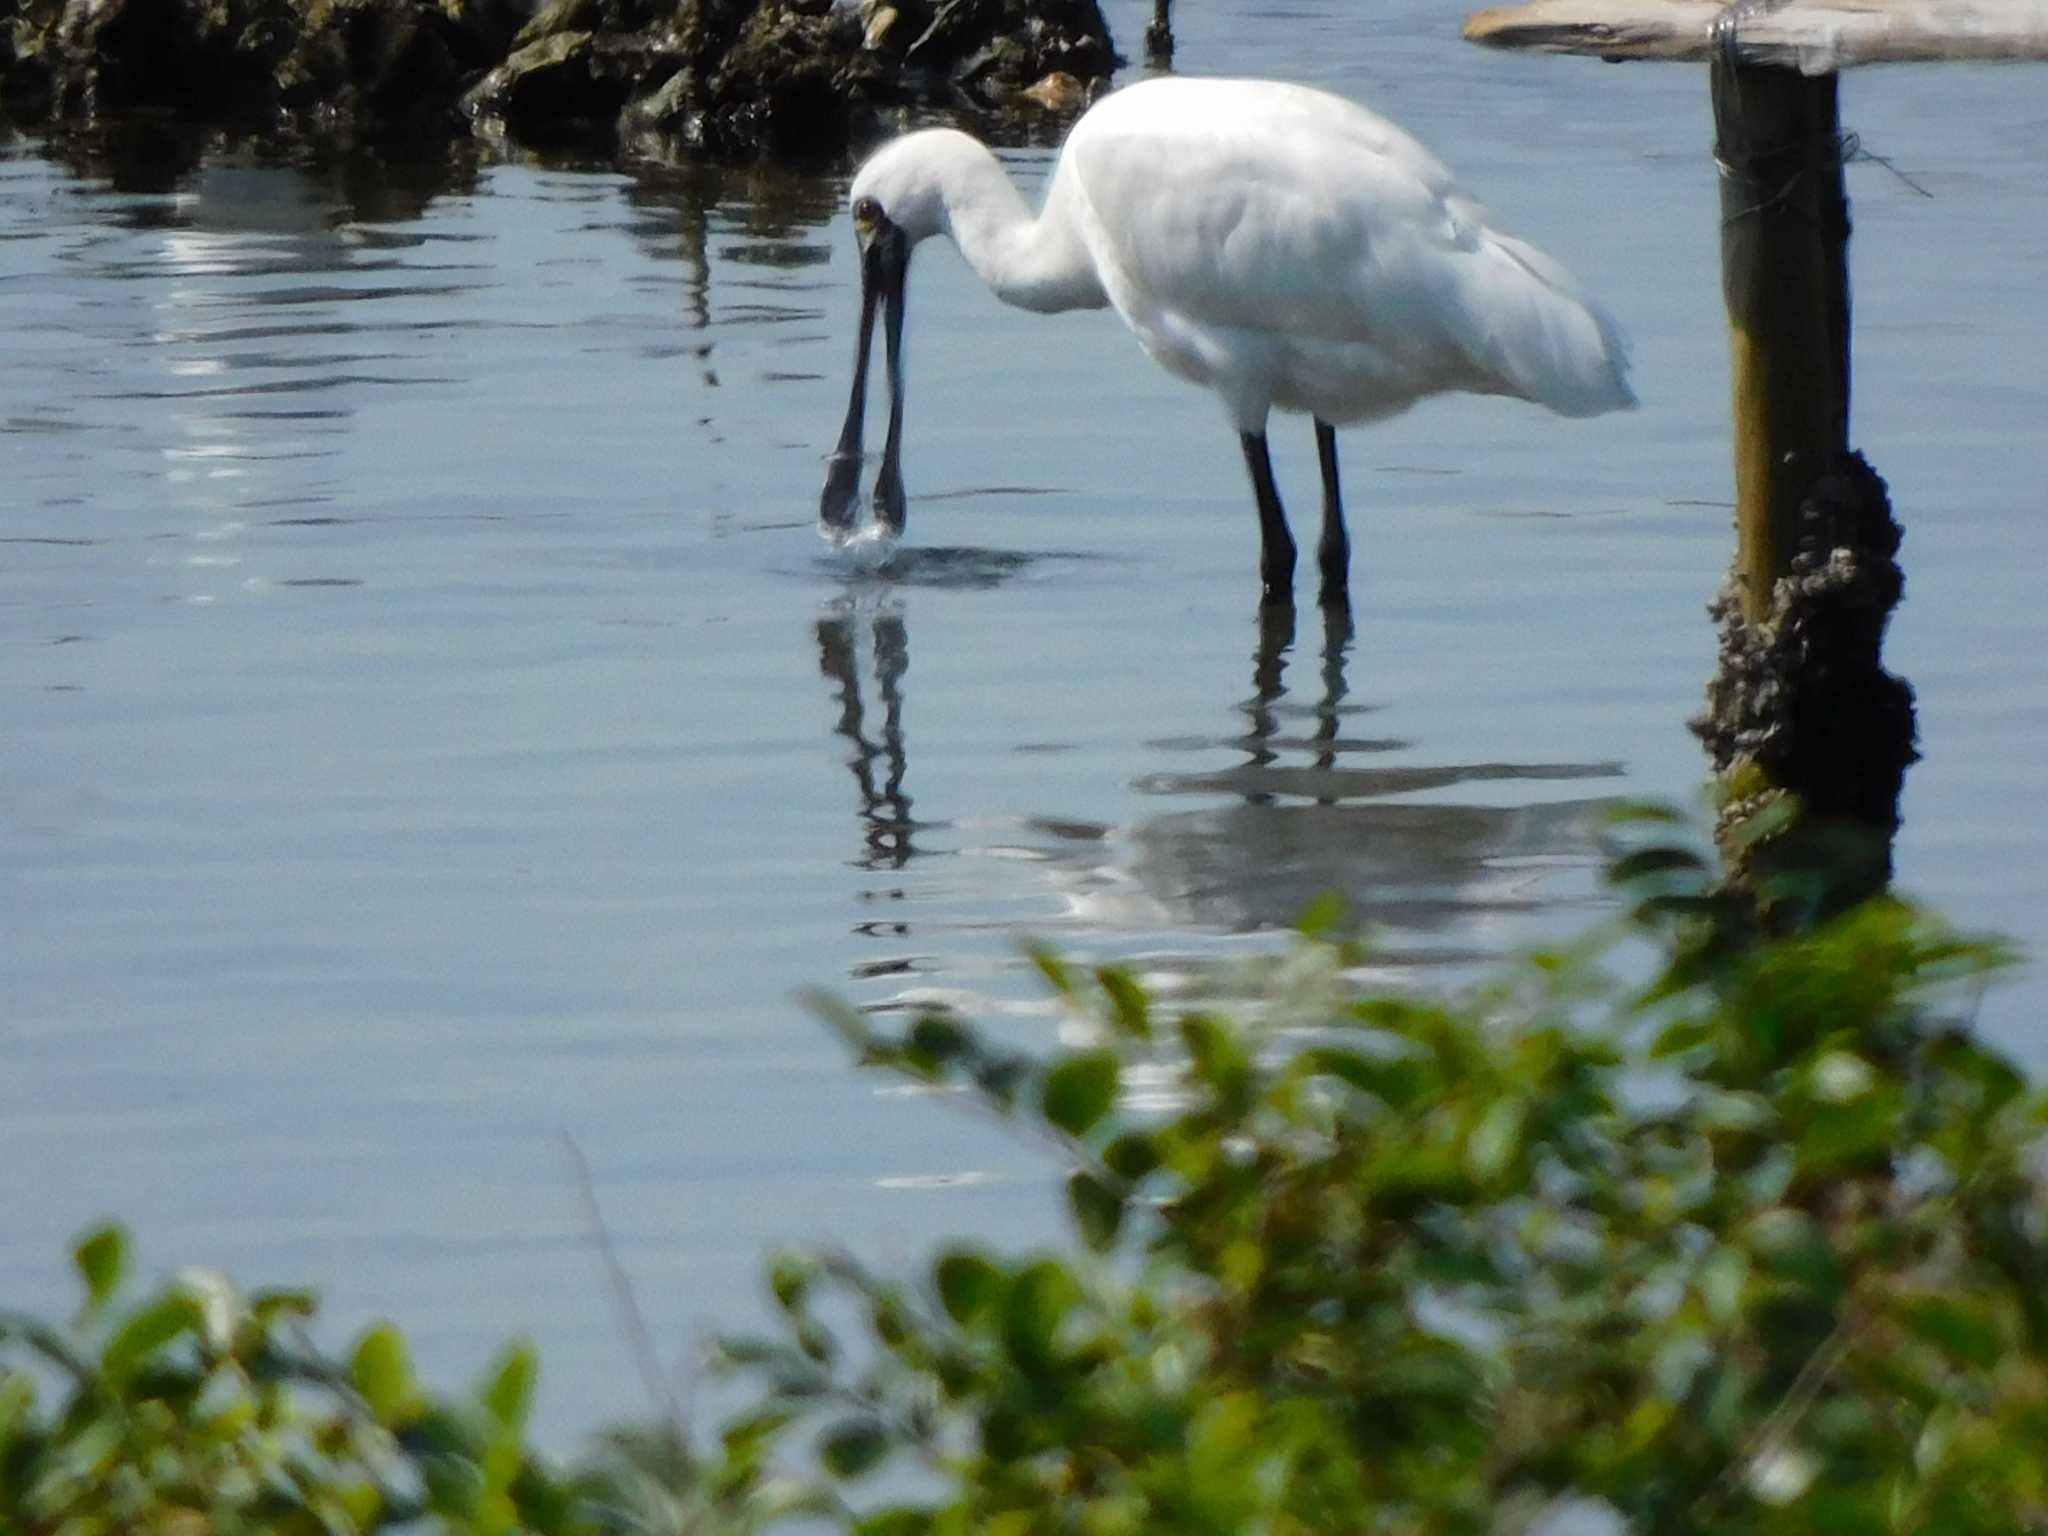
{"x":1540,"y":334}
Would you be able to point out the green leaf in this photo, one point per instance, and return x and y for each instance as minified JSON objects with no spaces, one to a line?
{"x":17,"y":1401}
{"x":1097,"y":1207}
{"x":508,"y":1394}
{"x":905,"y":1520}
{"x":1039,"y":1299}
{"x":1496,"y":1140}
{"x":999,"y":1077}
{"x":1224,"y":1430}
{"x":1689,"y":904}
{"x":1729,"y":1111}
{"x":1323,"y":917}
{"x":1682,"y":1035}
{"x":101,"y":1258}
{"x":889,"y":1323}
{"x":1860,"y":1130}
{"x":842,"y":1018}
{"x":1656,"y":813}
{"x":1218,"y":1055}
{"x":273,"y":1302}
{"x":145,"y":1332}
{"x":969,"y":1285}
{"x":790,"y":1277}
{"x":1054,"y":970}
{"x":935,"y":1041}
{"x":1078,"y":1092}
{"x":1974,"y":1075}
{"x":738,"y":1351}
{"x":1789,"y":1244}
{"x":1965,"y":1331}
{"x":381,"y":1368}
{"x":1430,"y":1370}
{"x":1870,"y":1510}
{"x":1396,"y":1078}
{"x":1130,"y":1008}
{"x":449,"y":1445}
{"x":745,"y":1434}
{"x":1644,"y":863}
{"x":1132,"y":1156}
{"x":52,"y":1344}
{"x":853,"y":1447}
{"x":1721,"y":1279}
{"x":816,"y":1341}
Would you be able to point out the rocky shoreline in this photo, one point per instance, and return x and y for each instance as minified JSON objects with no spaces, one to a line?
{"x":733,"y":79}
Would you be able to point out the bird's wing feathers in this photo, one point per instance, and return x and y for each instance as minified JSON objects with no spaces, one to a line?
{"x":1267,"y":207}
{"x":1273,"y":208}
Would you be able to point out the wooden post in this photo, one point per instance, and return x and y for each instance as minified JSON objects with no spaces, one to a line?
{"x":1784,"y":238}
{"x":1801,"y":703}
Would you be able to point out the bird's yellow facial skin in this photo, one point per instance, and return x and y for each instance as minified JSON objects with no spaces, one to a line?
{"x":867,"y":218}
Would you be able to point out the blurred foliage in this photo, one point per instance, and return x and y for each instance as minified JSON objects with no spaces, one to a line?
{"x":1754,"y":1241}
{"x":1727,"y":1233}
{"x":196,"y":1410}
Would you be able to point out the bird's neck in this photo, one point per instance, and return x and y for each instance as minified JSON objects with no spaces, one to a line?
{"x":1034,"y":261}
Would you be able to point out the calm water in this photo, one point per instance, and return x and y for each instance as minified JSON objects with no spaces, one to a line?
{"x":433,"y":728}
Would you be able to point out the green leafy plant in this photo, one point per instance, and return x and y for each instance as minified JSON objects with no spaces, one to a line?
{"x":1757,"y":1245}
{"x":195,"y":1410}
{"x":198,"y":1409}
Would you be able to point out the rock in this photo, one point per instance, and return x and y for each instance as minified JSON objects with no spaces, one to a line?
{"x":737,"y":78}
{"x":1057,"y":92}
{"x":241,"y":61}
{"x":567,"y":82}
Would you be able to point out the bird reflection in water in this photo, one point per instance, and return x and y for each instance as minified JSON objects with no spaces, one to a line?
{"x":877,"y":765}
{"x":1308,"y":804}
{"x":1307,"y":813}
{"x":1269,"y":687}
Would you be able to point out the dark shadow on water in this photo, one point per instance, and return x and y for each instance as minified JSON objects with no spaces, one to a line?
{"x":365,"y":179}
{"x":943,"y":567}
{"x":702,"y":216}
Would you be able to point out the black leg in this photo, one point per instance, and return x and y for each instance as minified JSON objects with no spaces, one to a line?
{"x":1333,"y":555}
{"x":1276,"y":544}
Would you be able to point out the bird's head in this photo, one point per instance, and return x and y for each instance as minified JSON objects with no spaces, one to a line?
{"x":884,"y":252}
{"x":902,"y":185}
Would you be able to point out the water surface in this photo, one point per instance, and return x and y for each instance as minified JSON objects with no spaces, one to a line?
{"x":433,"y":727}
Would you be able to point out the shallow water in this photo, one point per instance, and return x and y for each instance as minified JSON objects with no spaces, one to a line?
{"x":434,"y":728}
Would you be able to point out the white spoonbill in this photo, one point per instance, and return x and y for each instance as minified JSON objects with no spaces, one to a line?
{"x":1279,"y":245}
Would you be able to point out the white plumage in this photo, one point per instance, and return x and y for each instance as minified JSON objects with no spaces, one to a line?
{"x":1281,"y":246}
